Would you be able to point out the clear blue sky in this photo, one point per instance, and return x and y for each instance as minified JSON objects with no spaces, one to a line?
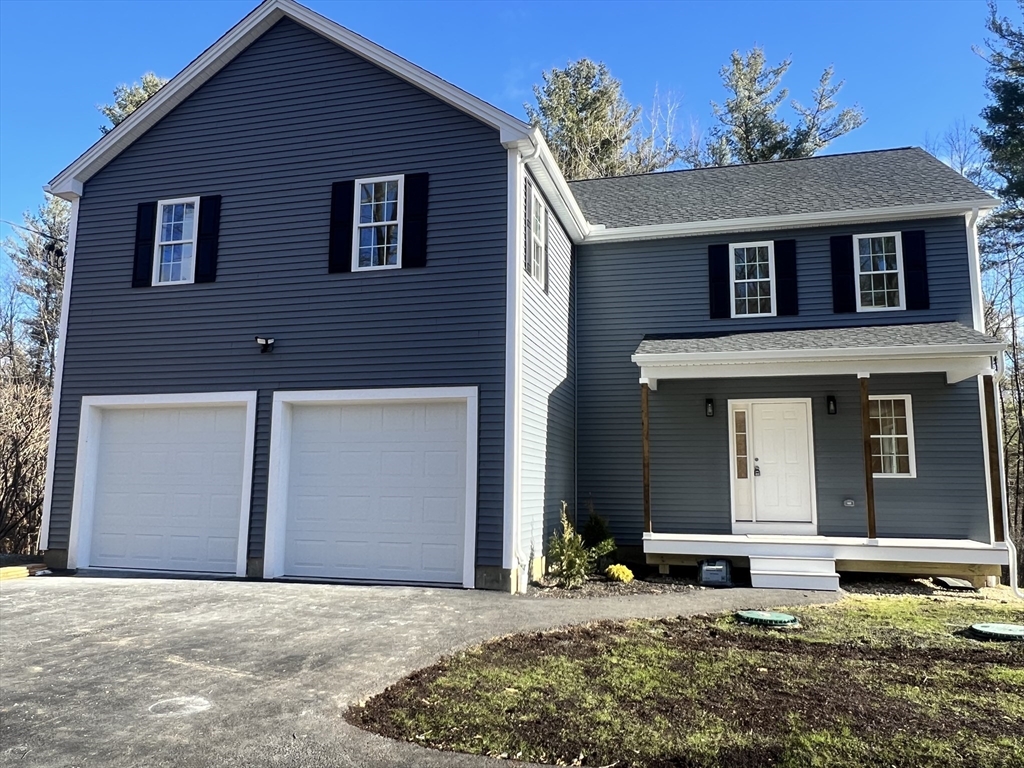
{"x":908,"y":64}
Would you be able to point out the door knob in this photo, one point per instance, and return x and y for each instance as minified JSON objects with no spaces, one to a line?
{"x":757,"y":471}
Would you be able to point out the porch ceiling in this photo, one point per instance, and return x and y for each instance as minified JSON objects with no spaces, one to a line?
{"x":950,"y":348}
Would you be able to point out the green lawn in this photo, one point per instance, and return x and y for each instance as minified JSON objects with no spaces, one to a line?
{"x":868,"y":681}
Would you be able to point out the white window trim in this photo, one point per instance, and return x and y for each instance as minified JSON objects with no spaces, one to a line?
{"x":537,"y":201}
{"x":899,"y":271}
{"x":400,"y":178}
{"x":911,"y":450}
{"x":732,"y":277}
{"x":194,"y":241}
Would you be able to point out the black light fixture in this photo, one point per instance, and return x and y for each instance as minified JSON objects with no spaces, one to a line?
{"x":832,"y":407}
{"x":709,"y":407}
{"x":266,"y":344}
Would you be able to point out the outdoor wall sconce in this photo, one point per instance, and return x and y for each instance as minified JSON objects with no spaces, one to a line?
{"x":831,"y":406}
{"x":709,"y":407}
{"x":266,"y":344}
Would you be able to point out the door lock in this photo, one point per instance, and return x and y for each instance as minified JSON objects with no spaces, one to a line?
{"x":757,"y":471}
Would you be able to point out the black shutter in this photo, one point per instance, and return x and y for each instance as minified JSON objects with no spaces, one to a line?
{"x":339,"y":252}
{"x":718,"y":281}
{"x":915,"y":270}
{"x":206,"y":244}
{"x":786,"y":299}
{"x":414,"y":220}
{"x":844,"y":288}
{"x":145,"y":242}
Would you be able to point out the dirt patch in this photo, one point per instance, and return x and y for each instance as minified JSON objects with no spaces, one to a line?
{"x":708,"y":692}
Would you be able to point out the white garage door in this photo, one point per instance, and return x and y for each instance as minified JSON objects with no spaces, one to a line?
{"x":168,"y":488}
{"x":377,"y":491}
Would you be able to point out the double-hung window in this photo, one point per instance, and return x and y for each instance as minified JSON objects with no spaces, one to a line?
{"x":177,"y":225}
{"x":535,"y":256}
{"x":753,"y":279}
{"x":878,"y":264}
{"x":378,"y":216}
{"x":892,"y":436}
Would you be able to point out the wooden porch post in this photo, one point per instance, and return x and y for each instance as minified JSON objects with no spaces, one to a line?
{"x":869,"y":475}
{"x":995,"y":476}
{"x":645,"y":429}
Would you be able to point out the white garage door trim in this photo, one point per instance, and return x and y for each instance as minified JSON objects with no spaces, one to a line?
{"x":280,"y":443}
{"x":80,"y":540}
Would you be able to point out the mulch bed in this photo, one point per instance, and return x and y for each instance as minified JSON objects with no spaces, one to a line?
{"x":599,"y":586}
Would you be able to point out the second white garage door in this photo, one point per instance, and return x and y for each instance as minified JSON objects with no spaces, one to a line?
{"x":376,"y":491}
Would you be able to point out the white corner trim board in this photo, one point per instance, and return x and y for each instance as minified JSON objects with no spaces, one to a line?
{"x":281,"y":431}
{"x":89,"y":435}
{"x":58,"y":375}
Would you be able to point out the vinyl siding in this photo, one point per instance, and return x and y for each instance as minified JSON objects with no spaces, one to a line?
{"x":947,"y":499}
{"x":627,"y":290}
{"x":270,"y":133}
{"x":548,"y":395}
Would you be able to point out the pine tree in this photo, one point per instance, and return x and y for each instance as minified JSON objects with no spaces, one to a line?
{"x":592,"y":129}
{"x":749,"y":128}
{"x":128,"y":98}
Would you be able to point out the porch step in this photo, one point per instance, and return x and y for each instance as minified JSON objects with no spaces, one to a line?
{"x":814,"y":573}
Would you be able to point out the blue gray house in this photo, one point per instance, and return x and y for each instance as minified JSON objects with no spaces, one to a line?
{"x":328,"y":316}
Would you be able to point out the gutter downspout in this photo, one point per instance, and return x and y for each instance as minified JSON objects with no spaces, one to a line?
{"x":522,"y":561}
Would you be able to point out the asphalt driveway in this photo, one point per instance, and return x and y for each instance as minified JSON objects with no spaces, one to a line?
{"x":159,"y":672}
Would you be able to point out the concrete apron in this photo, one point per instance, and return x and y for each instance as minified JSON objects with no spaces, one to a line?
{"x":161,"y":672}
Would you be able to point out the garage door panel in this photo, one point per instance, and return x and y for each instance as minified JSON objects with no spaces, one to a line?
{"x":168,"y":487}
{"x":377,"y":492}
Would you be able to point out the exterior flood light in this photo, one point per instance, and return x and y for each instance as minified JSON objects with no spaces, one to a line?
{"x":709,"y":407}
{"x":266,"y":344}
{"x":833,"y":409}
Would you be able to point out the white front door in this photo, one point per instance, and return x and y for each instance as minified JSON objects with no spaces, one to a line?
{"x":773,"y":483}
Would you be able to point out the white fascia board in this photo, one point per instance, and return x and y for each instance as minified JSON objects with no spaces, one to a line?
{"x":963,"y":363}
{"x":68,"y":183}
{"x":541,"y":162}
{"x":788,"y":221}
{"x":936,"y":351}
{"x":959,"y":551}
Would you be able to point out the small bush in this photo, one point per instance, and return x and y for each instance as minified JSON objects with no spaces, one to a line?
{"x":570,"y":560}
{"x":596,"y":529}
{"x":619,"y":573}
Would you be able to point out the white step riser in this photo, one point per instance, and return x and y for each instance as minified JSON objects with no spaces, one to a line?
{"x":783,"y":580}
{"x":813,"y":565}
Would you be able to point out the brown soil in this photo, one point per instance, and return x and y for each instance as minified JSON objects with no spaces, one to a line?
{"x":830,"y":686}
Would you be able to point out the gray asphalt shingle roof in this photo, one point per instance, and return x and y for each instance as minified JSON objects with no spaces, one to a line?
{"x":822,"y":339}
{"x":828,"y":183}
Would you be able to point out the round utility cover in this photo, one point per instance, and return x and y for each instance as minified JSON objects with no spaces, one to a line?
{"x":766,"y":618}
{"x":999,"y":631}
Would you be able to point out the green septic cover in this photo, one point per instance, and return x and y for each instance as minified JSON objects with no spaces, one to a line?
{"x":766,"y":618}
{"x":999,"y":631}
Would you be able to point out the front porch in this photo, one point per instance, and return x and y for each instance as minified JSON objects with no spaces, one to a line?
{"x":819,"y":559}
{"x":805,"y":453}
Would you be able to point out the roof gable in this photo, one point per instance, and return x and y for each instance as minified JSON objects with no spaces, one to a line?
{"x":69,"y":182}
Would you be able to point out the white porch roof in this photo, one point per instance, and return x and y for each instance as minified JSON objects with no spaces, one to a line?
{"x":950,"y":348}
